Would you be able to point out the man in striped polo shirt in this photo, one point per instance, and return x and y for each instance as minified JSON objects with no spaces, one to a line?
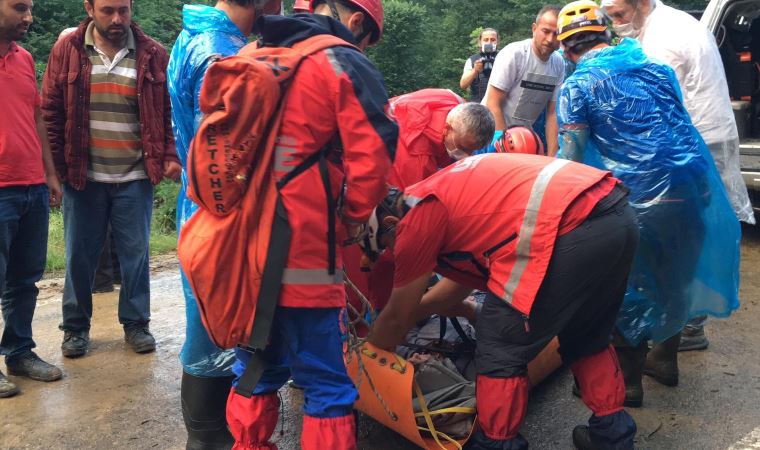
{"x":108,"y":116}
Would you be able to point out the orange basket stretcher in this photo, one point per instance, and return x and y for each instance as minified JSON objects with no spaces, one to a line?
{"x":386,"y":382}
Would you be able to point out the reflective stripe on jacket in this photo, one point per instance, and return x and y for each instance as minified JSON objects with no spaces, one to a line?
{"x":505,"y":212}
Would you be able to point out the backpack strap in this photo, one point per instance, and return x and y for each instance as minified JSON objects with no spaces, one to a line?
{"x":321,"y":42}
{"x":271,"y":283}
{"x":266,"y":304}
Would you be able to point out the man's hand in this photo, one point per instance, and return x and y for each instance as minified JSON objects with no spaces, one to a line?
{"x":399,"y":314}
{"x":172,"y":170}
{"x":478,"y":66}
{"x":355,"y":232}
{"x":467,"y":308}
{"x":55,"y":192}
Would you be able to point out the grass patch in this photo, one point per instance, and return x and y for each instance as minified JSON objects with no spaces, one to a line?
{"x":55,"y":248}
{"x":163,"y":237}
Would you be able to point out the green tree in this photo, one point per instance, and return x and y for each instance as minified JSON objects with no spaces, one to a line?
{"x":404,"y":56}
{"x":425,"y":42}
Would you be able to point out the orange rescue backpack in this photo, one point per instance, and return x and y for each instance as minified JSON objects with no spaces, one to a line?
{"x":233,"y":250}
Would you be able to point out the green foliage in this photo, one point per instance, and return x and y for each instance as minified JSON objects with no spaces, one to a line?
{"x":404,"y":56}
{"x":55,"y":247}
{"x":165,"y":207}
{"x":160,"y":19}
{"x":475,"y":38}
{"x":163,"y":237}
{"x":425,"y":42}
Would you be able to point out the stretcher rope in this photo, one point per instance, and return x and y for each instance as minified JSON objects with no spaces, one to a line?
{"x":355,"y":345}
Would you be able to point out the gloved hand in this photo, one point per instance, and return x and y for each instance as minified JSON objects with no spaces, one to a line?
{"x":498,"y":134}
{"x":355,"y":231}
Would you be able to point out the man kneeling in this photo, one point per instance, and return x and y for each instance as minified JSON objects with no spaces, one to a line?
{"x":552,"y":242}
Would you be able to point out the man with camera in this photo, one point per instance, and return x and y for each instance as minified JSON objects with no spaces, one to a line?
{"x":477,"y":68}
{"x":526,"y":78}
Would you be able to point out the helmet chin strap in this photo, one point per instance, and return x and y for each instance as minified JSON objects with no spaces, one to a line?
{"x":336,"y":15}
{"x":333,"y":9}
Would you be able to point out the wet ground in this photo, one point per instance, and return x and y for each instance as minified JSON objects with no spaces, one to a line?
{"x":116,"y":399}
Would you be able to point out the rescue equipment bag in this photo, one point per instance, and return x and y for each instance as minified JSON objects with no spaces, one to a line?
{"x":224,"y":248}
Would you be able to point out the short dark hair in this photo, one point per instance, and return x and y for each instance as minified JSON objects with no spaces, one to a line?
{"x":488,"y":30}
{"x":585,"y":40}
{"x":548,"y":8}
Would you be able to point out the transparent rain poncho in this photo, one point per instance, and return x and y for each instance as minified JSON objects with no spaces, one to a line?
{"x":622,"y":112}
{"x":207,"y":34}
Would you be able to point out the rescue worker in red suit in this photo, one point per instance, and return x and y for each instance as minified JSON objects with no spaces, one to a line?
{"x":436,"y":128}
{"x":336,"y":98}
{"x":551,"y":243}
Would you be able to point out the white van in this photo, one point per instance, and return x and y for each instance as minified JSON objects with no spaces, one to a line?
{"x":736,"y":26}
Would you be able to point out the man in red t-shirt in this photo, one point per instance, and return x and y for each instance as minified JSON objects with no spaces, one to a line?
{"x":552,"y":244}
{"x":28,"y":186}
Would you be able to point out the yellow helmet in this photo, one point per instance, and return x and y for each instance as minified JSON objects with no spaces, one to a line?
{"x":581,"y":15}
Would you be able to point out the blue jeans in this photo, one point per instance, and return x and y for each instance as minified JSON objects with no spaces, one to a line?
{"x":23,"y":250}
{"x":128,"y":207}
{"x":307,"y":344}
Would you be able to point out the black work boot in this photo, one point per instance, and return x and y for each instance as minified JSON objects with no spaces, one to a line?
{"x":31,"y":366}
{"x":204,"y":410}
{"x":75,"y":343}
{"x":7,"y":389}
{"x":479,"y":441}
{"x":662,"y":361}
{"x":616,"y":430}
{"x":631,"y":361}
{"x":139,"y":338}
{"x":582,"y":438}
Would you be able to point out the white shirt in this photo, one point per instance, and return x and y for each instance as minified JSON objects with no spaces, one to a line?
{"x":529,"y":82}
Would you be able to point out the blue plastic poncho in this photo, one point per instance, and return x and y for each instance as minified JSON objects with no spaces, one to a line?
{"x":622,"y":112}
{"x":207,"y":33}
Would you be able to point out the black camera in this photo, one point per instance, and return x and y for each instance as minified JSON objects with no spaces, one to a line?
{"x":487,"y":56}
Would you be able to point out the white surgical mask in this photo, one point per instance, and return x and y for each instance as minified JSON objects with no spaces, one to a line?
{"x":626,"y":30}
{"x":455,"y":153}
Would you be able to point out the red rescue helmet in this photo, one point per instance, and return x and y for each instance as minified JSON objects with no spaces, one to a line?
{"x":301,"y":6}
{"x":373,"y":8}
{"x":520,"y":140}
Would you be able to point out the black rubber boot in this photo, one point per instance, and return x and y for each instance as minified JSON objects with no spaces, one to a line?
{"x":631,"y":361}
{"x":204,"y":404}
{"x":662,"y":362}
{"x":582,"y":438}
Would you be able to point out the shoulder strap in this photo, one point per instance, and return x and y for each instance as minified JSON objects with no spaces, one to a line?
{"x":320,"y":42}
{"x":271,"y":282}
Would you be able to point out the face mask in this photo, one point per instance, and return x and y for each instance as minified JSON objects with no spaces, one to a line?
{"x":626,"y":30}
{"x":455,"y":153}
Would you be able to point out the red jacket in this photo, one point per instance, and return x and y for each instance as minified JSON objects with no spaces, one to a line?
{"x":421,"y":118}
{"x":504,"y":214}
{"x":336,"y":99}
{"x":66,"y":95}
